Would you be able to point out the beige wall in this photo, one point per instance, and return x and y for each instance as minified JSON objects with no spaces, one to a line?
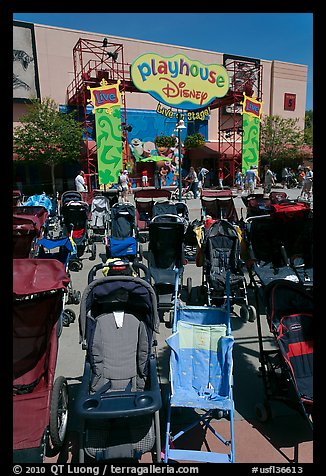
{"x":56,"y":71}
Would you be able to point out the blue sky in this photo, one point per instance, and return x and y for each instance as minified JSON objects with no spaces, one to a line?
{"x":273,"y":36}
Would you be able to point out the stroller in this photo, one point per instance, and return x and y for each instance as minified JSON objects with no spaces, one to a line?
{"x":280,"y":244}
{"x":257,"y":204}
{"x":119,"y":399}
{"x":144,"y":202}
{"x":165,"y":259}
{"x":63,"y":250}
{"x":218,"y":204}
{"x":51,"y":205}
{"x":40,"y":403}
{"x":122,"y":242}
{"x":287,"y":370}
{"x":221,"y":253}
{"x":100,"y":218}
{"x":74,"y":213}
{"x":201,"y":366}
{"x":28,"y":225}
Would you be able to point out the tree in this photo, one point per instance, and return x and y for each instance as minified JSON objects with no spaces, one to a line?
{"x":308,"y":128}
{"x":47,"y":136}
{"x":281,"y":142}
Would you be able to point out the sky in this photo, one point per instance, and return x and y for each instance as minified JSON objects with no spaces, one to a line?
{"x":270,"y":36}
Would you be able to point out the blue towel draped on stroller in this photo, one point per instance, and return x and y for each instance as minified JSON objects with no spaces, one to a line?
{"x":201,"y":366}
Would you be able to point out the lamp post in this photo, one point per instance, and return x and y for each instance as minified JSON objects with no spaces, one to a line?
{"x":180,"y":125}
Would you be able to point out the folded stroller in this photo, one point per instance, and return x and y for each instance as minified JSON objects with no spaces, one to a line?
{"x":287,"y":370}
{"x":122,"y":242}
{"x":100,"y":218}
{"x":28,"y":225}
{"x":40,"y":402}
{"x":165,"y":258}
{"x":221,"y":252}
{"x":201,"y":366}
{"x":119,"y":399}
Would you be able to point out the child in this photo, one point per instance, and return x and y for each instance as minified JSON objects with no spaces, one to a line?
{"x":144,"y":178}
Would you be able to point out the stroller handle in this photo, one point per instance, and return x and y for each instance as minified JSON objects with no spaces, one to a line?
{"x":136,"y":265}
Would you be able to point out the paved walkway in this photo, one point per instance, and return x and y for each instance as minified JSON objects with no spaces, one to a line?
{"x":286,"y":438}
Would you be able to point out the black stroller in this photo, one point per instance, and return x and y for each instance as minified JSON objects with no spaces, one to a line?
{"x":218,"y":204}
{"x":40,"y":401}
{"x":287,"y":370}
{"x":74,"y":213}
{"x":119,"y":399}
{"x":122,"y":242}
{"x":220,"y":252}
{"x":166,"y":259}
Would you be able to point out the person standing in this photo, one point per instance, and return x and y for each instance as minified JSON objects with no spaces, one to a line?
{"x":202,"y":172}
{"x":193,"y":180}
{"x":307,"y":183}
{"x":268,"y":180}
{"x":123,"y":183}
{"x":144,"y":178}
{"x":239,"y":180}
{"x":220,"y":177}
{"x":80,"y":182}
{"x":285,"y":174}
{"x":250,"y":179}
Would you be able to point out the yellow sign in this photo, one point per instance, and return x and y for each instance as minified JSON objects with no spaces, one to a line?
{"x":105,"y":96}
{"x":179,"y":81}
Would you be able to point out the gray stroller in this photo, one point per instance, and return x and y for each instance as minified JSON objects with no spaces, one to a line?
{"x":119,"y":399}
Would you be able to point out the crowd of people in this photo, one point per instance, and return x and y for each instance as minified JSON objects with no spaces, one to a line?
{"x":201,"y":178}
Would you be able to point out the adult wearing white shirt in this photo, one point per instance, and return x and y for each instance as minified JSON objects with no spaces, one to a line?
{"x":80,"y":182}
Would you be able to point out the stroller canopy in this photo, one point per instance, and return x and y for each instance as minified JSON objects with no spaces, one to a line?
{"x":32,"y":276}
{"x":131,"y":293}
{"x":123,"y":220}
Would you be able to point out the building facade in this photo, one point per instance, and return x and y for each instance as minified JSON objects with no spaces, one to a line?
{"x":61,"y":63}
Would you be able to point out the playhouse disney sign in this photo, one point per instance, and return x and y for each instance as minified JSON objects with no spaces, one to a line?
{"x":179,"y":81}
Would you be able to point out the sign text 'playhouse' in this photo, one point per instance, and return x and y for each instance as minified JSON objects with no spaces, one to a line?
{"x":179,"y":81}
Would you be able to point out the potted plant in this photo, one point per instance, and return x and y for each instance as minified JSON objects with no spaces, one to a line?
{"x":194,"y":140}
{"x":164,"y":141}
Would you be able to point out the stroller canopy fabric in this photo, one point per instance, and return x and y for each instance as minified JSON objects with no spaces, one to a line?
{"x":36,"y":276}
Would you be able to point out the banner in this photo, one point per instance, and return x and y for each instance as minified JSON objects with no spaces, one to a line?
{"x":107,"y":110}
{"x":251,"y":118}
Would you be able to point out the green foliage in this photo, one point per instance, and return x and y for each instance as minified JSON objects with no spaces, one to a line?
{"x":193,"y":141}
{"x":309,"y":128}
{"x":165,"y":141}
{"x":46,"y":135}
{"x":280,"y":138}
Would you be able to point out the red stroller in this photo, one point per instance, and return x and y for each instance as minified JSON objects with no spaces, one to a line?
{"x":28,"y":225}
{"x":40,"y":403}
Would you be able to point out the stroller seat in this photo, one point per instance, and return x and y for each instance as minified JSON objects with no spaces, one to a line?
{"x":201,"y":366}
{"x":119,"y":398}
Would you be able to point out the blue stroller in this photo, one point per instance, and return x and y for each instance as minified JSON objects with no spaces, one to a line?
{"x":122,"y":242}
{"x":201,"y":378}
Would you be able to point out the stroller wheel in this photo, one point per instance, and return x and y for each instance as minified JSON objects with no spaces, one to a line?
{"x":263,"y":412}
{"x":59,"y":412}
{"x":68,"y":317}
{"x":76,"y":296}
{"x":244,"y":313}
{"x":252,"y":313}
{"x":93,"y":252}
{"x":189,"y":288}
